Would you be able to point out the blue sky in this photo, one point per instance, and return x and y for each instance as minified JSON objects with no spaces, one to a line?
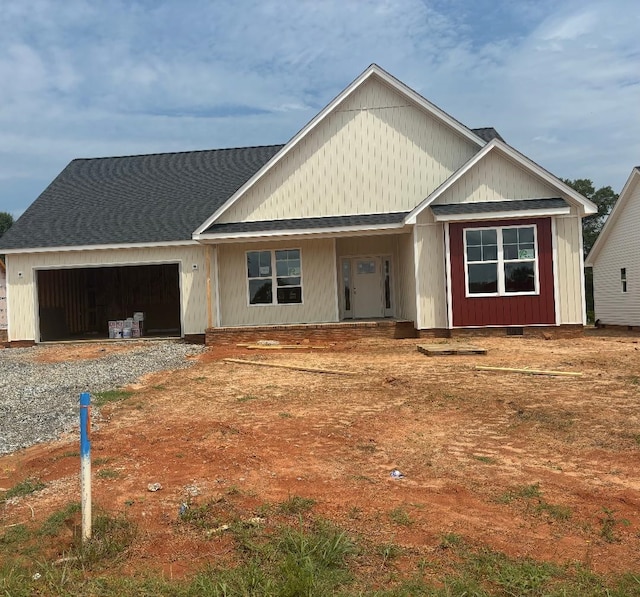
{"x":87,"y":78}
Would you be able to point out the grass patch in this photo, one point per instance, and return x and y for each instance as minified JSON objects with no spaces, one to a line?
{"x":102,"y":398}
{"x":296,"y":505}
{"x":26,"y":487}
{"x":53,"y":525}
{"x":400,"y":516}
{"x":484,"y":459}
{"x":247,"y":398}
{"x":314,"y":558}
{"x":608,"y":525}
{"x":535,"y":502}
{"x":108,"y":473}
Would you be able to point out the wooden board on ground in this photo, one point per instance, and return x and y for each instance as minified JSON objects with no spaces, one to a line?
{"x":449,"y":349}
{"x":280,"y":346}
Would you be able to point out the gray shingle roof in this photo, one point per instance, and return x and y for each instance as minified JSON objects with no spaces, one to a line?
{"x":308,"y":223}
{"x":497,"y":206}
{"x":488,"y":133}
{"x":134,"y":199}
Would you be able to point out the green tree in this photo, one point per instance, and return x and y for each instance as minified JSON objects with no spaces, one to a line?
{"x":6,"y":221}
{"x":605,"y":199}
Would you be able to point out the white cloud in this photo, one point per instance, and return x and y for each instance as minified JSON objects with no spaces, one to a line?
{"x":561,"y":82}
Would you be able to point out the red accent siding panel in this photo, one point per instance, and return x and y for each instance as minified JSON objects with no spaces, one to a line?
{"x":503,"y":310}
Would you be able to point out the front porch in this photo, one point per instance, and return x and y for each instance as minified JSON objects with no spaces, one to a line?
{"x":342,"y":331}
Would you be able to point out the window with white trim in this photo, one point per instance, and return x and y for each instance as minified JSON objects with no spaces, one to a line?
{"x":274,"y":277}
{"x":501,"y":261}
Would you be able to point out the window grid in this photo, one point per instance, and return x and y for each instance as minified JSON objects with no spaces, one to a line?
{"x":270,"y":270}
{"x":500,"y":261}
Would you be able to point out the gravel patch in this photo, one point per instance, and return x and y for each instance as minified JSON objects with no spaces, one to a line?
{"x":39,"y":401}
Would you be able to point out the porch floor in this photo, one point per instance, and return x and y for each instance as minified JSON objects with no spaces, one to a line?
{"x":314,"y":332}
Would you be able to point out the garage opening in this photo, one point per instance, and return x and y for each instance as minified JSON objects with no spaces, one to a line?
{"x":78,"y":303}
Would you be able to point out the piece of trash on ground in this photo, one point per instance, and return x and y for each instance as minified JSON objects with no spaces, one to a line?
{"x":154,"y":487}
{"x":396,"y":474}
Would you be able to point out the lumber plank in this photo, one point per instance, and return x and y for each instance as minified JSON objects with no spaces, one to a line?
{"x":529,"y":371}
{"x":450,"y":349}
{"x":294,"y":367}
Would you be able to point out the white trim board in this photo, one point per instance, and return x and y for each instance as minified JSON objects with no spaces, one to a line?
{"x":177,"y":243}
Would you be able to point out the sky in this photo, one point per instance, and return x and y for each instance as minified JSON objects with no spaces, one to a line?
{"x":560,"y":80}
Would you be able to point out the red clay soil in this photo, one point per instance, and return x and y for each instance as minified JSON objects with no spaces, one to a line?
{"x":469,"y":444}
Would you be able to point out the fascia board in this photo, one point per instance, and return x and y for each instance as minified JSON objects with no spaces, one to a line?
{"x":178,"y":243}
{"x":374,"y":69}
{"x":504,"y":215}
{"x":301,"y":233}
{"x":609,"y":224}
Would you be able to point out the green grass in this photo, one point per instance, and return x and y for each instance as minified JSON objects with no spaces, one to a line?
{"x":400,"y":516}
{"x":312,"y":558}
{"x":108,"y":473}
{"x":535,"y":502}
{"x":247,"y":398}
{"x":296,"y":505}
{"x":102,"y":398}
{"x":23,"y":488}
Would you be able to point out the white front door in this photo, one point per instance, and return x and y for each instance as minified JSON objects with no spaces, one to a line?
{"x":367,"y":288}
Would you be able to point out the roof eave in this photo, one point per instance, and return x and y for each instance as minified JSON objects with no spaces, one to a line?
{"x":634,"y":178}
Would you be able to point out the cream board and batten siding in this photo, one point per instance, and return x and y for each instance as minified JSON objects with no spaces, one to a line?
{"x":375,"y":153}
{"x":22,"y":294}
{"x":3,"y":299}
{"x":319,"y":285}
{"x":569,"y":268}
{"x":430,"y":273}
{"x":496,"y":178}
{"x":405,"y":279}
{"x":621,"y":249}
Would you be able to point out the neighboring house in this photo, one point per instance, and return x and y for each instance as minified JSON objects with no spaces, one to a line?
{"x":383,"y":206}
{"x":3,"y":303}
{"x":615,"y":259}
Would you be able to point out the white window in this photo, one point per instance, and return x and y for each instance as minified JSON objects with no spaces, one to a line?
{"x":501,"y":261}
{"x":623,"y":278}
{"x":274,"y":277}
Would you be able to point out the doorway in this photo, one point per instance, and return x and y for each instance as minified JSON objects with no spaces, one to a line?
{"x":366,"y":287}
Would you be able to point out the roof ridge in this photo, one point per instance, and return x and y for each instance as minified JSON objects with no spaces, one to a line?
{"x":159,"y":153}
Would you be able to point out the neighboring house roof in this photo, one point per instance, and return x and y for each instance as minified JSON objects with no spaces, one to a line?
{"x":623,"y":198}
{"x":308,"y":225}
{"x":157,"y":198}
{"x":586,"y":206}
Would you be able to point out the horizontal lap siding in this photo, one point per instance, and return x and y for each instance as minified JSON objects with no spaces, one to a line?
{"x":504,"y":310}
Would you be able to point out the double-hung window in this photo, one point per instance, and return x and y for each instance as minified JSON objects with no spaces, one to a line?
{"x":274,"y":277}
{"x":501,"y":261}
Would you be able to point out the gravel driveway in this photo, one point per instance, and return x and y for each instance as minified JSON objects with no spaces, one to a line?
{"x":38,"y":401}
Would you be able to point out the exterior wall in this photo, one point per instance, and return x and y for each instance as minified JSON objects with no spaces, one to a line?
{"x":375,"y":153}
{"x":406,"y":279}
{"x":503,"y":310}
{"x":621,"y":249}
{"x":319,"y":285}
{"x":496,"y":178}
{"x":570,"y":272}
{"x":431,"y":274}
{"x":3,"y":301}
{"x":22,"y":292}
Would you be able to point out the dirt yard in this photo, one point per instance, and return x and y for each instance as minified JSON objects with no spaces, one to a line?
{"x":539,"y":466}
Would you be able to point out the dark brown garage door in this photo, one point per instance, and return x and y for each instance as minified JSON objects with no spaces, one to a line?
{"x":78,"y":303}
